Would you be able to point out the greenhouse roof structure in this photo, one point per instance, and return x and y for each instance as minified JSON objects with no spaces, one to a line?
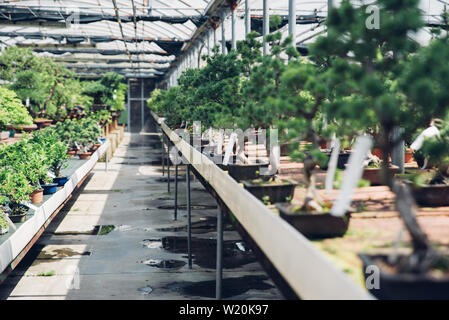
{"x":151,"y":38}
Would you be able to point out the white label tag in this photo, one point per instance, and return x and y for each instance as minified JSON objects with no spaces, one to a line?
{"x":77,"y":145}
{"x":31,"y":206}
{"x":428,"y":133}
{"x":50,"y":174}
{"x":352,"y":175}
{"x":220,"y":142}
{"x":332,"y":166}
{"x":5,"y":216}
{"x":229,"y":148}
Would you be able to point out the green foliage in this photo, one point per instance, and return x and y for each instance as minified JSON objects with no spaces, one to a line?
{"x":109,"y":90}
{"x":55,"y":149}
{"x":103,"y":117}
{"x":51,"y":88}
{"x":15,"y":186}
{"x":12,"y":112}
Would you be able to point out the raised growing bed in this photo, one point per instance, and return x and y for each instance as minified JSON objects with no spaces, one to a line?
{"x":15,"y":244}
{"x":309,"y":273}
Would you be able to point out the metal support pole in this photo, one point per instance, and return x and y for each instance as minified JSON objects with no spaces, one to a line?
{"x":142,"y":111}
{"x":223,"y":35}
{"x":163,"y":154}
{"x":266,"y":26}
{"x":189,"y":217}
{"x":129,"y":107}
{"x":292,"y":20}
{"x":168,"y":165}
{"x":176,"y":192}
{"x":219,"y":266}
{"x":215,"y":38}
{"x":247,"y":18}
{"x":234,"y":42}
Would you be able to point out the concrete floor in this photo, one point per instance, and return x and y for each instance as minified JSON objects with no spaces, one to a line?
{"x":137,"y":260}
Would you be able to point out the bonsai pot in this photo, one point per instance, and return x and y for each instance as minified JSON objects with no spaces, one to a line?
{"x":103,"y":140}
{"x":404,"y":286}
{"x":18,"y":218}
{"x":4,"y":230}
{"x":84,"y":155}
{"x":343,"y":158}
{"x":314,"y":225}
{"x":431,"y":195}
{"x":4,"y":135}
{"x":50,"y":188}
{"x":37,"y":196}
{"x":71,"y":153}
{"x":285,"y":149}
{"x":374,"y":175}
{"x":29,"y":128}
{"x":42,"y":123}
{"x":12,"y":133}
{"x":277,"y":191}
{"x":245,"y":171}
{"x":95,"y":147}
{"x":60,"y":181}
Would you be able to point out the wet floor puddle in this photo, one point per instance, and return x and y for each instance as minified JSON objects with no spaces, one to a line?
{"x":205,"y":225}
{"x":165,"y":264}
{"x":204,"y":251}
{"x":231,"y":286}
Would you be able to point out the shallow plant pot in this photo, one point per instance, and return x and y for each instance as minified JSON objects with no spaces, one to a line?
{"x":4,"y":230}
{"x":279,"y":191}
{"x":84,"y":155}
{"x":314,"y":225}
{"x":18,"y":218}
{"x":245,"y":171}
{"x":50,"y":188}
{"x":42,"y":123}
{"x":404,"y":286}
{"x":37,"y":196}
{"x":343,"y":158}
{"x":29,"y":128}
{"x":71,"y":153}
{"x":60,"y":181}
{"x":374,"y":175}
{"x":4,"y":135}
{"x":431,"y":195}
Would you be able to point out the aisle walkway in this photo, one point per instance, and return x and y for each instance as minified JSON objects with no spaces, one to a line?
{"x":116,"y":239}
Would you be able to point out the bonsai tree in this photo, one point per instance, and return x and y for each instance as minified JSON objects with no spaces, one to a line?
{"x":109,"y":90}
{"x":16,"y":187}
{"x":48,"y":85}
{"x":12,"y":112}
{"x":56,"y":150}
{"x":88,"y":134}
{"x":376,"y":67}
{"x":30,"y":159}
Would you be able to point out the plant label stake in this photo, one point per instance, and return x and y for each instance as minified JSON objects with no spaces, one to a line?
{"x":352,"y":175}
{"x":430,"y":132}
{"x":5,"y":216}
{"x":220,"y":142}
{"x":51,"y":175}
{"x":229,"y":147}
{"x":211,"y":137}
{"x":332,"y":165}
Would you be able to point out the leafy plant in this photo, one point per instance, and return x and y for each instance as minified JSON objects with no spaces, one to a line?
{"x":16,"y":187}
{"x":109,"y":90}
{"x":12,"y":112}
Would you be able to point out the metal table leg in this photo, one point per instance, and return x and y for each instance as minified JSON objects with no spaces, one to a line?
{"x":189,"y":218}
{"x":219,"y":266}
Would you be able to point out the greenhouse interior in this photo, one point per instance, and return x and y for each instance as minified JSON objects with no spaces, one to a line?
{"x":224,"y":150}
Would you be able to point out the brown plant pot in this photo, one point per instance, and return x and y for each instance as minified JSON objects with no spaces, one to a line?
{"x":279,"y":191}
{"x":408,"y":156}
{"x":84,"y":155}
{"x":42,"y":123}
{"x":71,"y":153}
{"x":314,"y":225}
{"x":374,"y":175}
{"x":29,"y":128}
{"x":431,"y":195}
{"x":37,"y":196}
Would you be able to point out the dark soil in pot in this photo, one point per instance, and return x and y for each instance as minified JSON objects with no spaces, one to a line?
{"x":343,"y":158}
{"x":276,"y":191}
{"x":405,"y":286}
{"x":314,"y":225}
{"x":374,"y":175}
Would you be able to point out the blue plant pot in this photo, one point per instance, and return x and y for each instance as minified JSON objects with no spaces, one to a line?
{"x":12,"y":133}
{"x":50,"y":188}
{"x":103,"y":140}
{"x":61,"y":181}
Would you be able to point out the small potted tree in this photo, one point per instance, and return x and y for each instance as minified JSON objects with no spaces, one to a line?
{"x":12,"y":113}
{"x":16,"y":187}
